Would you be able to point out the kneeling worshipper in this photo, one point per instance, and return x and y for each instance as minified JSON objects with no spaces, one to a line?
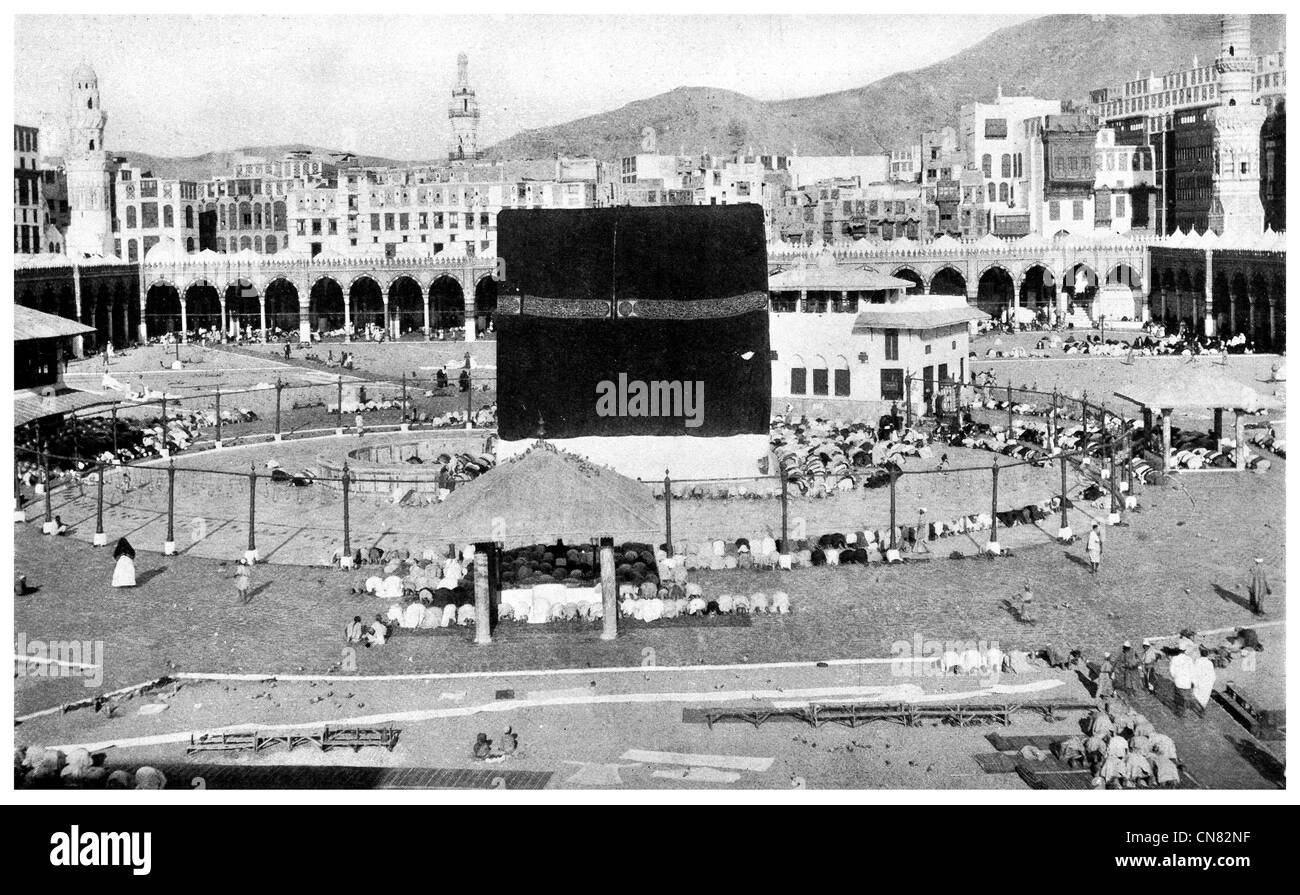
{"x":413,"y":615}
{"x":378,"y":632}
{"x":124,"y":571}
{"x":353,"y":632}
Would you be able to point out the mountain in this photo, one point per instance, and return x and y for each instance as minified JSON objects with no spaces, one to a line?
{"x":1052,"y":56}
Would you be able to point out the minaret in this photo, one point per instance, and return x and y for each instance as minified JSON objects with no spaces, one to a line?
{"x":1235,"y":208}
{"x":89,"y":170}
{"x":464,"y":114}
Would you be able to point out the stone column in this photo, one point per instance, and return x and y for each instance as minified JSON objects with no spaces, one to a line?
{"x":304,"y":316}
{"x":388,"y":323}
{"x":1272,"y":323}
{"x":482,"y":595}
{"x":143,"y":328}
{"x":1250,"y":317}
{"x":428,"y":329}
{"x":261,"y":310}
{"x":1218,"y":424}
{"x":347,"y":315}
{"x":225,"y":324}
{"x":78,"y":343}
{"x":608,"y":589}
{"x":1240,"y":435}
{"x":1208,"y":297}
{"x":185,"y":322}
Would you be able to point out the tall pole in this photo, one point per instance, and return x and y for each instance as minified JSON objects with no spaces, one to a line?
{"x":1114,"y":489}
{"x":893,"y":511}
{"x":340,"y":407}
{"x":347,"y":519}
{"x":1053,"y":424}
{"x":403,"y":396}
{"x":100,"y":539}
{"x":1009,"y":414}
{"x":668,"y":511}
{"x":1065,"y":533}
{"x":49,"y":507}
{"x":907,"y":400}
{"x":170,"y":546}
{"x":993,"y":534}
{"x":279,"y":387}
{"x":482,"y":594}
{"x":785,"y":514}
{"x":218,"y":416}
{"x":115,"y":430}
{"x":251,"y":555}
{"x":1084,"y":446}
{"x":608,"y":590}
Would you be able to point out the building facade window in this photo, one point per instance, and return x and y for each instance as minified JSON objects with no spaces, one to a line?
{"x":891,"y":344}
{"x":891,"y":385}
{"x":798,"y":381}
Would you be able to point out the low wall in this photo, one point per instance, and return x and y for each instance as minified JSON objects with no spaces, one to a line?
{"x":381,"y":468}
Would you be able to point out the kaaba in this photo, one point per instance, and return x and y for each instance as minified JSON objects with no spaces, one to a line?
{"x":636,"y":336}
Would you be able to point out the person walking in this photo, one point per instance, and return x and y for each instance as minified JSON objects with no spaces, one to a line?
{"x":243,"y":582}
{"x":1105,"y":679}
{"x":1258,"y":588}
{"x":1094,"y":548}
{"x":1150,"y":656}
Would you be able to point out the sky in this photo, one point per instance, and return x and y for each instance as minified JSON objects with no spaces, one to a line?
{"x":379,"y":85}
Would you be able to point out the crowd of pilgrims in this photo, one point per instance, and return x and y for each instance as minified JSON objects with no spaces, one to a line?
{"x":1152,"y":341}
{"x":543,"y":583}
{"x":90,"y":441}
{"x":36,"y":767}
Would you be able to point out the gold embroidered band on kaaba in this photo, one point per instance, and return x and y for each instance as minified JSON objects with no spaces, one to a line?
{"x":647,"y":308}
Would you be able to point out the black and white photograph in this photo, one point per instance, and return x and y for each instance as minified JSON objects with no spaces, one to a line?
{"x":661,"y":405}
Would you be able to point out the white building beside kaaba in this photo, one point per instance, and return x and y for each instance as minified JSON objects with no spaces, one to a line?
{"x":846,"y":340}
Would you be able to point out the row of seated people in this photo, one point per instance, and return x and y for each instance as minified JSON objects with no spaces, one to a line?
{"x":1122,"y":750}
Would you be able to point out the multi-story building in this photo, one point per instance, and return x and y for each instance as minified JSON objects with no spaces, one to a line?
{"x":655,"y":179}
{"x":843,"y":209}
{"x":1170,"y":114}
{"x":249,"y":208}
{"x":994,"y":139}
{"x":29,"y":203}
{"x":905,"y":164}
{"x":424,"y":210}
{"x":151,"y":209}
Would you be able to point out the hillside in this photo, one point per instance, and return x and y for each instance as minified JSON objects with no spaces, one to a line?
{"x":1053,"y":56}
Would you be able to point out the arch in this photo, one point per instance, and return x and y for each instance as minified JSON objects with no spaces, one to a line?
{"x":257,"y":244}
{"x":1124,"y":274}
{"x":366,"y":299}
{"x":189,"y":244}
{"x":189,"y":217}
{"x":948,"y":281}
{"x":325,"y":307}
{"x":130,"y":217}
{"x":907,"y":273}
{"x":447,"y":303}
{"x":841,"y":378}
{"x":272,"y":245}
{"x":996,"y":290}
{"x":281,"y":304}
{"x":243,"y":307}
{"x":1038,"y":288}
{"x":162,"y":310}
{"x":485,"y":302}
{"x":132,"y":251}
{"x":245,"y":243}
{"x":406,"y":305}
{"x":279,"y":216}
{"x":169,"y":216}
{"x":202,"y":306}
{"x":1081,"y":282}
{"x":221,"y":244}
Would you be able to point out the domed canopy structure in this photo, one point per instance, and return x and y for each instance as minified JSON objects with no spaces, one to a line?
{"x":84,"y":76}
